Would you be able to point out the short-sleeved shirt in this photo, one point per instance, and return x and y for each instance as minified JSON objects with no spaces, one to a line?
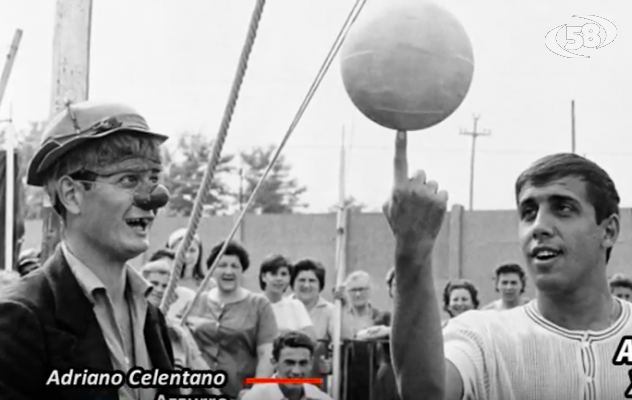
{"x":271,"y":391}
{"x":291,"y":315}
{"x":517,"y":354}
{"x":498,"y":304}
{"x":229,"y":340}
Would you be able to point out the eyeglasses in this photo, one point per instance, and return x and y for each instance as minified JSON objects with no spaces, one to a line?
{"x":359,"y":290}
{"x":129,"y":181}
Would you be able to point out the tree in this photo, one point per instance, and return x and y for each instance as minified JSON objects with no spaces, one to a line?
{"x":29,"y":142}
{"x":279,"y":194}
{"x":351,"y":204}
{"x":184,"y":177}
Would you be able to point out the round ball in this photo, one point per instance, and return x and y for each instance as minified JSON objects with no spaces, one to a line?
{"x":408,"y":64}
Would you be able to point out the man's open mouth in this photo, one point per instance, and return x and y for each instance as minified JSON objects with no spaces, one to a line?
{"x":138,"y":223}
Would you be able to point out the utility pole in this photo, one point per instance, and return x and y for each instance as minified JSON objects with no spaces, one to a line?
{"x":70,"y":78}
{"x":475,"y":134}
{"x":573,"y":148}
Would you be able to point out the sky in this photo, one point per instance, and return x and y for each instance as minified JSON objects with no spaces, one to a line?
{"x":175,"y":63}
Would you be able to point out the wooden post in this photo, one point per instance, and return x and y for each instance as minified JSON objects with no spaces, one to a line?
{"x":71,"y":66}
{"x":8,"y":65}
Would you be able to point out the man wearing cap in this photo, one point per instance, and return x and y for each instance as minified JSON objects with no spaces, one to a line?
{"x":86,"y":310}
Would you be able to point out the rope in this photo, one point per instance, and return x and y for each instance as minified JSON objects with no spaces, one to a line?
{"x":312,"y":90}
{"x":196,"y":215}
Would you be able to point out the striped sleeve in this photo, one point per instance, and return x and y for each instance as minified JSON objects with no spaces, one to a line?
{"x":464,"y":347}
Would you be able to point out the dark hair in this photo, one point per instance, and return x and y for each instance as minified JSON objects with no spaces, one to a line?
{"x":233,"y":249}
{"x":619,"y":280}
{"x":309,"y":265}
{"x":292,"y":339}
{"x":162,"y":253}
{"x":512,"y":269}
{"x":197,"y":268}
{"x":272,"y":264}
{"x":459,"y":284}
{"x":600,"y":189}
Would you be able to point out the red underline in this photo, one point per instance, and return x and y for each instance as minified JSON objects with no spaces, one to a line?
{"x":284,"y":380}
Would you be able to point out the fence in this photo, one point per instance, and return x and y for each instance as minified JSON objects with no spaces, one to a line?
{"x":471,"y":244}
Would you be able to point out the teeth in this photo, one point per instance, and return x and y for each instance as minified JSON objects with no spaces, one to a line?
{"x":546,"y":253}
{"x":138,"y":222}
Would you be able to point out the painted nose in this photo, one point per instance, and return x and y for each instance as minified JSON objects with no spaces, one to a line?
{"x":152,"y":199}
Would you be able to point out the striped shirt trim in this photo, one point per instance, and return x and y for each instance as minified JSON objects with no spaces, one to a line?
{"x":592,"y":336}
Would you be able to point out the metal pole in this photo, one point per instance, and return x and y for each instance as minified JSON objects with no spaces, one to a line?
{"x":9,"y":240}
{"x":9,"y":206}
{"x":341,"y":268}
{"x":573,"y":148}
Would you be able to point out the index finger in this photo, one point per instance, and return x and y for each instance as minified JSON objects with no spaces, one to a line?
{"x":401,"y":160}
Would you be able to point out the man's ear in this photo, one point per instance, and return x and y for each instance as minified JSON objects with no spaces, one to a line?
{"x":611,"y":228}
{"x":69,"y":195}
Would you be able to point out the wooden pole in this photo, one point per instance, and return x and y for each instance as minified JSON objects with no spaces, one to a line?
{"x":71,"y":66}
{"x":341,"y":271}
{"x":8,"y":65}
{"x":475,"y":134}
{"x":9,"y":139}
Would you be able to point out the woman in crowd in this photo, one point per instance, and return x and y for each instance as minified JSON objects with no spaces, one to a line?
{"x":234,"y":327}
{"x":291,"y":314}
{"x":459,"y":296}
{"x":307,"y":282}
{"x":194,"y":270}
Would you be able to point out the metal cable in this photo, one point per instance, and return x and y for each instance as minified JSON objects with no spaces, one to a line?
{"x":196,"y":214}
{"x":312,"y":90}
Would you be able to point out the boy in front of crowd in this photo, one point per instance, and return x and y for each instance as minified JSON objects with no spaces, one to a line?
{"x":292,"y":357}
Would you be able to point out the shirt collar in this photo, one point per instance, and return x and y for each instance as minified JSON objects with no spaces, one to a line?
{"x":320,"y":303}
{"x":89,"y":282}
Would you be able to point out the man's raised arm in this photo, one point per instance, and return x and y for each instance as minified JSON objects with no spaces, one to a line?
{"x":415,"y":213}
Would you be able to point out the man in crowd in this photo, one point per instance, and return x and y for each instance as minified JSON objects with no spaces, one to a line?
{"x":621,"y":287}
{"x":560,"y":346}
{"x":511,"y":282}
{"x":86,"y":308}
{"x":292,"y":357}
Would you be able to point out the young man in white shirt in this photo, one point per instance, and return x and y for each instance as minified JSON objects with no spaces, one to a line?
{"x":292,"y":356}
{"x":559,"y":346}
{"x":511,"y":282}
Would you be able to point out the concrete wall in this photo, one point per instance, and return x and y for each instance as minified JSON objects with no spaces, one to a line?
{"x":470,"y":245}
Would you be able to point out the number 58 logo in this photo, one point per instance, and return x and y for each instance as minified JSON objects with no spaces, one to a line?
{"x":566,"y":40}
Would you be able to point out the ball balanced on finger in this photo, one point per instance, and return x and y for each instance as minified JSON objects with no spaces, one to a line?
{"x":407,"y":64}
